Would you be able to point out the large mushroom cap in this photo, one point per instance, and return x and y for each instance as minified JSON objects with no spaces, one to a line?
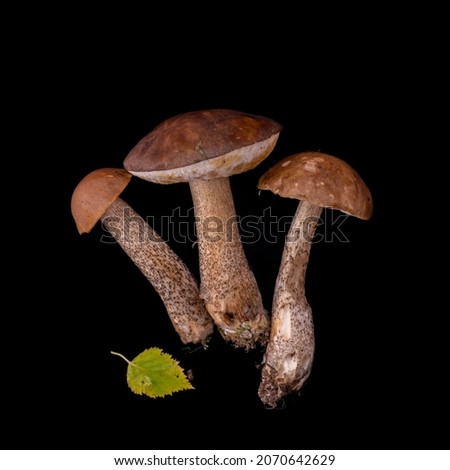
{"x":95,"y":193}
{"x":203,"y":144}
{"x":320,"y":179}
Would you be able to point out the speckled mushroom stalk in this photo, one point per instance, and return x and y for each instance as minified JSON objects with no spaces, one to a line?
{"x":318,"y":180}
{"x":204,"y":148}
{"x":290,"y":352}
{"x":166,"y":272}
{"x":228,"y":285}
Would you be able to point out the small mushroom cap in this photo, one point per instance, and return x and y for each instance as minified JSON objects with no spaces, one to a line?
{"x":320,"y":179}
{"x":203,"y":144}
{"x":95,"y":193}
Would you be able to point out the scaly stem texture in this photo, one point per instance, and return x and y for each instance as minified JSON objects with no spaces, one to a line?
{"x":290,"y":351}
{"x":228,"y":285}
{"x":167,"y":273}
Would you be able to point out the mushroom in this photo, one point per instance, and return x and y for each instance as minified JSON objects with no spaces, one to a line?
{"x":96,"y":198}
{"x":204,"y":148}
{"x":318,"y":180}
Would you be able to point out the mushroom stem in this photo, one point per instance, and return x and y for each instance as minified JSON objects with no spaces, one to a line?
{"x":290,"y":350}
{"x":228,"y":285}
{"x":167,"y":273}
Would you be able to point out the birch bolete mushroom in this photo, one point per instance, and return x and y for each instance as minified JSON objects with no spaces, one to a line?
{"x":96,"y":198}
{"x":318,"y":180}
{"x":204,"y":148}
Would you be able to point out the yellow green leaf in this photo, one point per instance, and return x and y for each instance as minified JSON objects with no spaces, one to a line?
{"x":156,"y":374}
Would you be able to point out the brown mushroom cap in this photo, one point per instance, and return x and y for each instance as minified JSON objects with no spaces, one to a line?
{"x":95,"y":193}
{"x":203,"y":144}
{"x":320,"y":179}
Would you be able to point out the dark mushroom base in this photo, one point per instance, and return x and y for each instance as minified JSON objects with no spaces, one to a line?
{"x":240,"y":331}
{"x":274,"y":388}
{"x":290,"y":353}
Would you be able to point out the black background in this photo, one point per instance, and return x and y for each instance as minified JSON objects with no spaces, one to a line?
{"x":373,"y":383}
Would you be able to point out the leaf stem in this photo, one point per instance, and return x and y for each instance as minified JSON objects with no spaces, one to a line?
{"x":122,"y":356}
